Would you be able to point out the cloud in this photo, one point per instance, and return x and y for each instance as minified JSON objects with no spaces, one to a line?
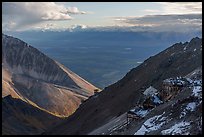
{"x":26,"y":14}
{"x":8,"y":26}
{"x":45,"y":26}
{"x":163,"y":19}
{"x":151,"y":11}
{"x":74,"y":10}
{"x":79,"y":26}
{"x":171,"y":16}
{"x":183,"y":22}
{"x":181,"y":7}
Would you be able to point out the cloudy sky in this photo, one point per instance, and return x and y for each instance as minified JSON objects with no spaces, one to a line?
{"x":62,"y":15}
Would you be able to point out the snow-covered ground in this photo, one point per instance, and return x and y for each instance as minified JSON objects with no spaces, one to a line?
{"x":140,"y":112}
{"x":197,"y":90}
{"x":180,"y":128}
{"x":177,"y":117}
{"x":151,"y":124}
{"x":191,"y":106}
{"x":157,"y":100}
{"x":177,"y":129}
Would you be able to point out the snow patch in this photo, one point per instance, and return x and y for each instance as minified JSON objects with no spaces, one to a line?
{"x":196,"y":91}
{"x":189,"y":80}
{"x":142,"y":112}
{"x":183,"y":113}
{"x":191,"y":106}
{"x":177,"y":129}
{"x":197,"y":82}
{"x":156,"y":100}
{"x":142,"y":131}
{"x":151,"y":124}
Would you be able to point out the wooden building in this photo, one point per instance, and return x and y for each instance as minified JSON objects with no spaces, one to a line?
{"x":172,"y":86}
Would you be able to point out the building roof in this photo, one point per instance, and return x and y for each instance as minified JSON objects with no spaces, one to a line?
{"x":150,"y":91}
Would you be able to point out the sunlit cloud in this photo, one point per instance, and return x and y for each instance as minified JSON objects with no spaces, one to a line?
{"x":26,"y":14}
{"x":181,"y":7}
{"x":183,"y":22}
{"x":165,"y":16}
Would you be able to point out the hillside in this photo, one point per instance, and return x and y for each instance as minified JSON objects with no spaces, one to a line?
{"x":178,"y":60}
{"x":39,"y":80}
{"x":20,"y":118}
{"x":180,"y":115}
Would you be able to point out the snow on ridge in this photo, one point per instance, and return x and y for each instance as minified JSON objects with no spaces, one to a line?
{"x":177,"y":129}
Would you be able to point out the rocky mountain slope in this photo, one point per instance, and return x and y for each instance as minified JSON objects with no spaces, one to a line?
{"x":20,"y":118}
{"x":39,"y":80}
{"x":178,"y":60}
{"x":181,"y":115}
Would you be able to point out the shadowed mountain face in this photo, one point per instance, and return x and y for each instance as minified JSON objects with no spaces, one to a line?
{"x":33,"y":77}
{"x":181,"y":115}
{"x":19,"y":118}
{"x":177,"y":60}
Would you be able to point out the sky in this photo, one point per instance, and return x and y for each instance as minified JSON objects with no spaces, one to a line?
{"x":164,"y":16}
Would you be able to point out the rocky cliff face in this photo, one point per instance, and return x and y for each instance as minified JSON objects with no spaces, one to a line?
{"x":177,"y":60}
{"x":35,"y":78}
